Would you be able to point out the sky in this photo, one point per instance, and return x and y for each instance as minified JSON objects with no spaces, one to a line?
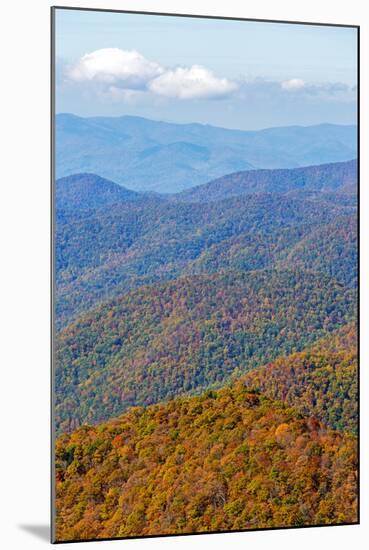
{"x":234,"y":74}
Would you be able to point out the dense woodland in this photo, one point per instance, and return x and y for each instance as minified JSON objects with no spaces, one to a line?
{"x":230,"y":459}
{"x":106,"y":251}
{"x":323,"y":178}
{"x":156,"y":342}
{"x":85,"y":191}
{"x":206,"y":354}
{"x":321,"y":380}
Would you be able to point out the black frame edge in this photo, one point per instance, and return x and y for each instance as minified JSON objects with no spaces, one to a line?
{"x":52,"y":275}
{"x":204,"y":16}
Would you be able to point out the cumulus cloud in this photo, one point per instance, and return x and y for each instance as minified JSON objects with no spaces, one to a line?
{"x":123,"y":71}
{"x":191,"y":83}
{"x":115,"y":66}
{"x":293,"y":84}
{"x":126,"y":75}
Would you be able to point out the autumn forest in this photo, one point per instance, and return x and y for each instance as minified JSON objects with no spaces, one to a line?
{"x":206,"y":358}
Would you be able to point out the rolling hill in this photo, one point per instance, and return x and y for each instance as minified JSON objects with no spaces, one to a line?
{"x":114,"y":250}
{"x":226,"y":460}
{"x":330,"y":248}
{"x":147,"y":155}
{"x":188,"y":334}
{"x":320,"y":381}
{"x":325,"y":178}
{"x":85,"y":191}
{"x":106,"y":251}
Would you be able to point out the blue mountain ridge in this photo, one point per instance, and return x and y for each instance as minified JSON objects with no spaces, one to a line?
{"x":148,"y":155}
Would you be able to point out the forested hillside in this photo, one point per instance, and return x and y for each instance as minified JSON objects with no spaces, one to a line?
{"x":159,"y":341}
{"x":206,"y":347}
{"x":107,"y":251}
{"x":321,"y":380}
{"x":324,"y":178}
{"x":330,"y":249}
{"x":226,"y":460}
{"x":83,"y":191}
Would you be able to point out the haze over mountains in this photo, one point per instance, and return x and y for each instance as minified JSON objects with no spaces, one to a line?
{"x":147,"y":155}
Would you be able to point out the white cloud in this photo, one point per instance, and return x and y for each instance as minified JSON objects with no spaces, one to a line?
{"x":119,"y":72}
{"x":293,"y":84}
{"x":190,"y":83}
{"x":115,"y":66}
{"x":127,"y":76}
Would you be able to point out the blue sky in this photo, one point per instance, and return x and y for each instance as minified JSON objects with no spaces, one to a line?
{"x":235,"y":74}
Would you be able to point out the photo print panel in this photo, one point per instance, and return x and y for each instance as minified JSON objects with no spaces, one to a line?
{"x":205,"y":274}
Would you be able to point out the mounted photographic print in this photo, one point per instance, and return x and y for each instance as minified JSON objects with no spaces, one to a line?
{"x":205,"y":274}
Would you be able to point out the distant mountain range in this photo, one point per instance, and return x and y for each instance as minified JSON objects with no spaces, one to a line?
{"x":147,"y":155}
